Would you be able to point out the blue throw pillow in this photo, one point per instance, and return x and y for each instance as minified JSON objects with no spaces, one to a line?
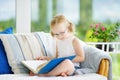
{"x":4,"y":66}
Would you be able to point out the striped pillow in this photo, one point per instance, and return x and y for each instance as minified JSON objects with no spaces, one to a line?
{"x":26,"y":47}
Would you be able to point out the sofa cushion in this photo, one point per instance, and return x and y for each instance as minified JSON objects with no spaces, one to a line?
{"x":4,"y":66}
{"x":91,"y":76}
{"x":24,"y":47}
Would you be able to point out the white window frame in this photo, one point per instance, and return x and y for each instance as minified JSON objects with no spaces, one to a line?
{"x":23,"y":16}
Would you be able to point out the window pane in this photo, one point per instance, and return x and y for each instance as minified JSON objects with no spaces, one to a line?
{"x":70,"y":8}
{"x":106,"y":10}
{"x":7,"y":14}
{"x":44,"y":10}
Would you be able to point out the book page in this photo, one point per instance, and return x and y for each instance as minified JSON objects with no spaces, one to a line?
{"x":34,"y":64}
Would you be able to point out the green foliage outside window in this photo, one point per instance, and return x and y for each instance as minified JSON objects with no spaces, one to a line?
{"x":7,"y":23}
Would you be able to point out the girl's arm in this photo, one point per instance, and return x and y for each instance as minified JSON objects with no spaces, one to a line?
{"x":46,"y":57}
{"x":79,"y":51}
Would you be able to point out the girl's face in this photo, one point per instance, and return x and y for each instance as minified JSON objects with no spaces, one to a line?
{"x":60,"y":31}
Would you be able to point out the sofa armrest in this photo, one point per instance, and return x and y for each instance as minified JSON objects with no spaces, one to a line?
{"x":104,"y":67}
{"x":97,"y":61}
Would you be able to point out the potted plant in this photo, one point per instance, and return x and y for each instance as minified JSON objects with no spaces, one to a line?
{"x":105,"y":33}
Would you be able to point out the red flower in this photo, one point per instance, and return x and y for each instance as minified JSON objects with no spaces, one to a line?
{"x":97,"y":25}
{"x":105,"y":32}
{"x":103,"y":28}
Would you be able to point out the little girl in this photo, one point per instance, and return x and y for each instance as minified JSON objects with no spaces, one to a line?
{"x":67,"y":45}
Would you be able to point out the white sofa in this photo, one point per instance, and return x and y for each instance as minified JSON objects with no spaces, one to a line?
{"x":18,"y":47}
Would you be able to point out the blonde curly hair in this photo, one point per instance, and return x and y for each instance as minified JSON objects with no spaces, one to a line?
{"x":61,"y":19}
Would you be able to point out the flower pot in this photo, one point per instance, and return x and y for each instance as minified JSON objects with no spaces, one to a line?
{"x":99,"y":46}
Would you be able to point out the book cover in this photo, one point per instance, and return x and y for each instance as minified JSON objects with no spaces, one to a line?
{"x":44,"y":66}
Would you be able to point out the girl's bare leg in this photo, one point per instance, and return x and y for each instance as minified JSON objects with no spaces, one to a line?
{"x":65,"y":68}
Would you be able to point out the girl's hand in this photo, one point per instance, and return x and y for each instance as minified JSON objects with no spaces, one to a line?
{"x":43,"y":58}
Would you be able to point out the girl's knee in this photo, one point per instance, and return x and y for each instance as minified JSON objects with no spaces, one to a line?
{"x":70,"y":66}
{"x":68,"y":63}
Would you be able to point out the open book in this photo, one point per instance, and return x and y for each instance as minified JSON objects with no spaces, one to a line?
{"x":44,"y":66}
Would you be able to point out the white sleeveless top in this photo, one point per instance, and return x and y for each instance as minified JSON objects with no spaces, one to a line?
{"x":65,"y":48}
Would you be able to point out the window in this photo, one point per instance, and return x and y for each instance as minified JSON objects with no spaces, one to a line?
{"x":44,"y":10}
{"x":7,"y":14}
{"x":106,"y":10}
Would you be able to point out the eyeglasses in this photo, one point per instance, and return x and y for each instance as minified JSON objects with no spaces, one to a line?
{"x":61,"y":33}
